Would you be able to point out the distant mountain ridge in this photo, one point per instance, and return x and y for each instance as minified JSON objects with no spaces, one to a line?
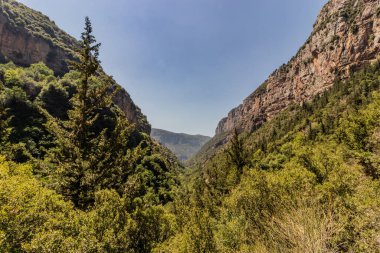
{"x":182,"y":145}
{"x":28,"y":36}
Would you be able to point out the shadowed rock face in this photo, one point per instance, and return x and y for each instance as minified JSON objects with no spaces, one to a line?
{"x":345,"y":38}
{"x":23,"y":48}
{"x":182,"y":145}
{"x":27,"y":37}
{"x":132,"y":111}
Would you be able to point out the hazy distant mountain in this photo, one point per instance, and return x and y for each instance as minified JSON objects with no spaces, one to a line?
{"x":182,"y":145}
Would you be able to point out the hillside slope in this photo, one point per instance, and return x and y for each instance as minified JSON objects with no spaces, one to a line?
{"x":182,"y":145}
{"x":75,"y":175}
{"x":345,"y":37}
{"x":306,"y":181}
{"x":27,"y":36}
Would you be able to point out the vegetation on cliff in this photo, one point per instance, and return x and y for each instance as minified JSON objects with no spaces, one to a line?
{"x":28,"y":37}
{"x":22,"y":17}
{"x":75,"y":175}
{"x":307,"y":181}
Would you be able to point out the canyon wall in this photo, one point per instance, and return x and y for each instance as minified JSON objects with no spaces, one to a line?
{"x":345,"y":38}
{"x":27,"y":36}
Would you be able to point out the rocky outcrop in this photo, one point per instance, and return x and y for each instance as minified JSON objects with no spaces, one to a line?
{"x":24,"y":48}
{"x":345,"y":38}
{"x":132,"y":111}
{"x":27,"y":37}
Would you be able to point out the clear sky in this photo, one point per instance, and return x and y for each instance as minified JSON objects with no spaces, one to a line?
{"x":187,"y":63}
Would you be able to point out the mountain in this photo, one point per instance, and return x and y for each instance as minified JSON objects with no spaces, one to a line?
{"x":345,"y":38}
{"x":182,"y":145}
{"x":306,"y":181}
{"x":301,"y":173}
{"x":27,"y":36}
{"x":75,"y":174}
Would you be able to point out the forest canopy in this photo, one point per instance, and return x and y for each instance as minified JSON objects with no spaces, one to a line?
{"x":76,"y":176}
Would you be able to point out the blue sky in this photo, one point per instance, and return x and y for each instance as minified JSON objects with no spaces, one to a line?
{"x":187,"y":63}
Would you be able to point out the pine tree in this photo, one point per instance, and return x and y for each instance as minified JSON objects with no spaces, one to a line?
{"x":236,"y":153}
{"x":89,"y":155}
{"x":84,"y":113}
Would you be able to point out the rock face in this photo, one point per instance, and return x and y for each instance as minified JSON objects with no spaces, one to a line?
{"x":132,"y":111}
{"x":25,"y":49}
{"x":182,"y":145}
{"x":27,"y":37}
{"x":345,"y":38}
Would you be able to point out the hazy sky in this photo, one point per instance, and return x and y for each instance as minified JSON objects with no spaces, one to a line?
{"x":187,"y":63}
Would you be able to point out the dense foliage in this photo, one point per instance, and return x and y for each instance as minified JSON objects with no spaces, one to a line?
{"x":22,"y":17}
{"x":75,"y":175}
{"x":307,"y":181}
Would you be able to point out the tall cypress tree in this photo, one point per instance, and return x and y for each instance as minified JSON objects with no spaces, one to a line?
{"x":236,"y":154}
{"x":87,"y":152}
{"x":95,"y":146}
{"x":84,"y":110}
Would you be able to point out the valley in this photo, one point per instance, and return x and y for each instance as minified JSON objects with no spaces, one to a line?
{"x":294,"y":168}
{"x":184,"y":146}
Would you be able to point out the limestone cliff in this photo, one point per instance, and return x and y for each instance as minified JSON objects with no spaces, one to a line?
{"x":346,"y":37}
{"x":28,"y":36}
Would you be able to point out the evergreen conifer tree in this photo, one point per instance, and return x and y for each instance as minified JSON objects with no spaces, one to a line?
{"x":236,"y":154}
{"x":89,"y":153}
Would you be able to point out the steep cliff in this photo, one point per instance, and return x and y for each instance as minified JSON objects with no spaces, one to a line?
{"x":28,"y":36}
{"x":345,"y":38}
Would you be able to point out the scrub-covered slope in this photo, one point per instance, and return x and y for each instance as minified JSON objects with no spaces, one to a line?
{"x":27,"y":36}
{"x":345,"y":37}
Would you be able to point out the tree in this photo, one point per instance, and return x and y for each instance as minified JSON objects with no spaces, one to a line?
{"x":236,"y":153}
{"x":85,"y":150}
{"x":85,"y":112}
{"x":4,"y":120}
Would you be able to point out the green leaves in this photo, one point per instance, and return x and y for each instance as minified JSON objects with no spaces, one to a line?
{"x":93,"y":183}
{"x":36,"y":219}
{"x":310,"y":182}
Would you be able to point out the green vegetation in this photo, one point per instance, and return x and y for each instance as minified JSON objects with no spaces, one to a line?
{"x":310,"y":182}
{"x":34,"y":218}
{"x":75,"y":175}
{"x":22,"y":17}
